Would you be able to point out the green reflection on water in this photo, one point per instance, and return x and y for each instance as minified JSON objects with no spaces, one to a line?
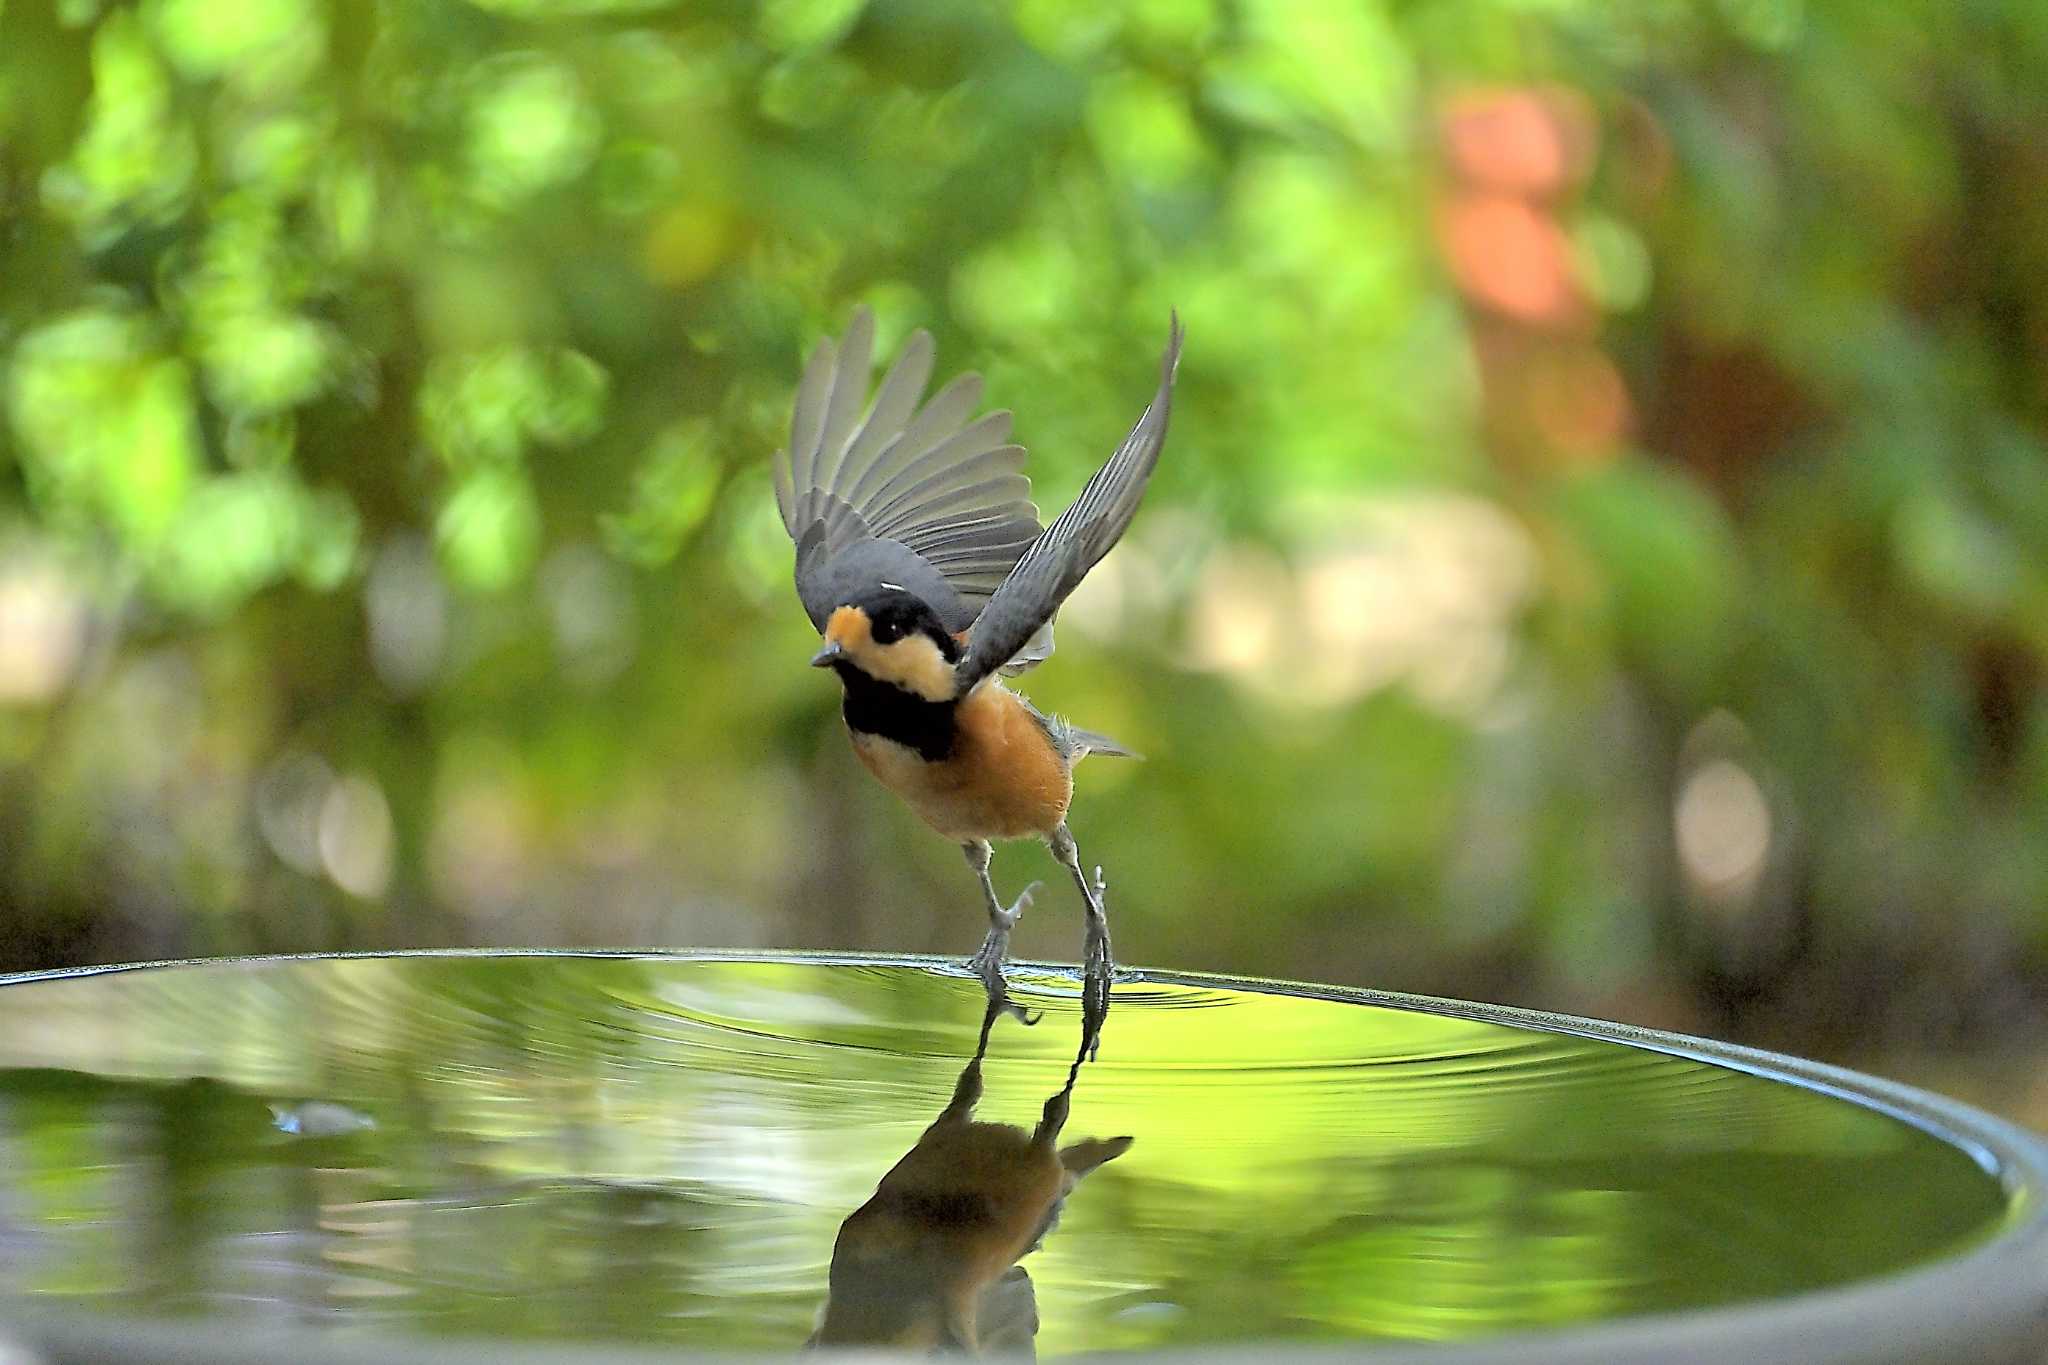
{"x":664,"y":1149}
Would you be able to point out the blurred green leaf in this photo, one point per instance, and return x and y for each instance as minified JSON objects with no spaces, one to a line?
{"x":489,"y":529}
{"x":1671,"y":567}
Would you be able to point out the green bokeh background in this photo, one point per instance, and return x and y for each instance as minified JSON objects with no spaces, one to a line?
{"x":1598,"y":561}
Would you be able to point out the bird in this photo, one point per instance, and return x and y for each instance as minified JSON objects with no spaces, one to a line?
{"x":922,"y":565}
{"x":930,"y":1261}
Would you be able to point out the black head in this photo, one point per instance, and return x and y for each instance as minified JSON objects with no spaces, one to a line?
{"x":898,"y":615}
{"x":893,"y":636}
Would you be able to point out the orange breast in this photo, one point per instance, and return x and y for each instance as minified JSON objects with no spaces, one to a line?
{"x":1003,"y":780}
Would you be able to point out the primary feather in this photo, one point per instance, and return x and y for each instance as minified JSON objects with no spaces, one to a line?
{"x":1064,"y":553}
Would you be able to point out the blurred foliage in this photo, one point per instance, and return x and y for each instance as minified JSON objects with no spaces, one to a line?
{"x":1601,"y":558}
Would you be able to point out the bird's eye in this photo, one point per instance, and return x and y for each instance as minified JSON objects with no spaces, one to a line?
{"x":886,"y":631}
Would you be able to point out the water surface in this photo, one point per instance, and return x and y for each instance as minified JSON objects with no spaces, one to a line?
{"x":663,"y":1150}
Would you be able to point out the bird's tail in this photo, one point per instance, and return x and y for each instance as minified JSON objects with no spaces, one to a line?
{"x":1083,"y":1157}
{"x":1080,"y":743}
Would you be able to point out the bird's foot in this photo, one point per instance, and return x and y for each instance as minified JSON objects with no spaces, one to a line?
{"x":1001,"y":921}
{"x":1096,"y":955}
{"x":988,"y":965}
{"x":987,"y":962}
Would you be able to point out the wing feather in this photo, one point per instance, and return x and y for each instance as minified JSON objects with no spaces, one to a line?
{"x":870,"y":495}
{"x":963,"y":546}
{"x":1077,"y":541}
{"x":944,"y":415}
{"x":895,"y":401}
{"x":929,"y":499}
{"x":948,"y":457}
{"x":805,"y":419}
{"x":785,"y":489}
{"x":849,"y":389}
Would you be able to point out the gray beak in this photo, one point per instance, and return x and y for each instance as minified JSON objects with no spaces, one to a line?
{"x":825,"y":657}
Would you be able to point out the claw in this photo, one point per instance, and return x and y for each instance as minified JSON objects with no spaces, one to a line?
{"x":987,"y":963}
{"x":999,"y":998}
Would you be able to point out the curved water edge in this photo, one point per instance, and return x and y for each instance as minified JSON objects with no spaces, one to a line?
{"x":1310,"y":1165}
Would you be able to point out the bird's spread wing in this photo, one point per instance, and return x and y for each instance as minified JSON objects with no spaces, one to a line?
{"x":929,"y":497}
{"x":1058,"y":559}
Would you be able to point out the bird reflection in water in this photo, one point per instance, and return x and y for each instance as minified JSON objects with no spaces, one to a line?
{"x":930,"y":1262}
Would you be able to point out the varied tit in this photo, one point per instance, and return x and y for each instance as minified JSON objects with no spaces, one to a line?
{"x":930,"y":1262}
{"x":921,"y":561}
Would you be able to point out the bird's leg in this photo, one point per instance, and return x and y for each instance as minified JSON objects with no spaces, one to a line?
{"x":995,"y":949}
{"x":1096,"y":959}
{"x":1095,"y":1004}
{"x":967,"y":1090}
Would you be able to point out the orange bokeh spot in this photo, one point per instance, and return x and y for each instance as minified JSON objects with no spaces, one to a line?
{"x":1529,"y":142}
{"x":1511,"y":258}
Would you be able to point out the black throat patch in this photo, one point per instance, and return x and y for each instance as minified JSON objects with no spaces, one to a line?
{"x":884,"y":709}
